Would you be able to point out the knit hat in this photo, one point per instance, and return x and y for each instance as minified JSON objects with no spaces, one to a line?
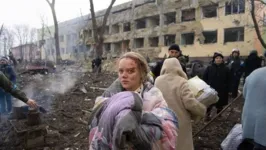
{"x":216,"y":54}
{"x":253,"y":52}
{"x":174,"y":47}
{"x":235,"y":50}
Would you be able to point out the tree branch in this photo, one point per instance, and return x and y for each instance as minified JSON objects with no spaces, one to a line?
{"x":94,"y":23}
{"x":106,"y":16}
{"x":1,"y":29}
{"x":50,"y":4}
{"x":252,"y":11}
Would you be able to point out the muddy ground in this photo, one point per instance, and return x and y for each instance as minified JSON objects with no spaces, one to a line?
{"x":69,"y":101}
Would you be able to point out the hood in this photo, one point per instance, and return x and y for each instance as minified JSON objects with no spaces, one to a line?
{"x":253,"y":52}
{"x":172,"y":66}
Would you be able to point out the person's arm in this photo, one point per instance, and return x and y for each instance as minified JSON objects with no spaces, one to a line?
{"x":195,"y":108}
{"x":14,"y":91}
{"x":205,"y":75}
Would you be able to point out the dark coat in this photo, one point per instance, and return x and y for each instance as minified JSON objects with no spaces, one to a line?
{"x":11,"y":88}
{"x":9,"y":72}
{"x":157,"y":69}
{"x":218,"y":77}
{"x":236,"y":67}
{"x":252,"y":63}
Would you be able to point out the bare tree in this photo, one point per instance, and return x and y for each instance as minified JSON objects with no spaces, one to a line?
{"x":256,"y":25}
{"x":49,"y":44}
{"x":56,"y":30}
{"x":9,"y":35}
{"x":32,"y":40}
{"x":98,"y":31}
{"x":22,"y":34}
{"x":1,"y":29}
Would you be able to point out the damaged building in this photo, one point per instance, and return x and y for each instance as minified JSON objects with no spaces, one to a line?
{"x":70,"y":48}
{"x":200,"y":27}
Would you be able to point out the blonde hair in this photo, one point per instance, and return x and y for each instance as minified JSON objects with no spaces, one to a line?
{"x":141,"y":63}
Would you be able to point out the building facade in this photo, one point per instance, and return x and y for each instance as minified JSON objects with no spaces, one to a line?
{"x":68,"y":38}
{"x":200,"y":27}
{"x":26,"y":52}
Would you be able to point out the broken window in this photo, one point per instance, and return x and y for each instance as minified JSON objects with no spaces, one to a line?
{"x":88,"y":47}
{"x":149,"y":1}
{"x":126,"y":27}
{"x":210,"y":37}
{"x":62,"y":50}
{"x":235,"y":7}
{"x":125,"y":45}
{"x":187,"y":38}
{"x":170,"y":18}
{"x":209,"y":11}
{"x":61,"y":38}
{"x":90,"y":33}
{"x":106,"y":30}
{"x":188,"y":15}
{"x":117,"y":47}
{"x":234,"y":34}
{"x":68,"y":38}
{"x":169,"y":40}
{"x":140,"y":23}
{"x":107,"y":47}
{"x":153,"y":41}
{"x":115,"y":28}
{"x":139,"y":42}
{"x":153,"y":21}
{"x":74,"y":36}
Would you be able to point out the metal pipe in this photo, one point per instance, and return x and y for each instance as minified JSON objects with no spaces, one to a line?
{"x":238,"y":97}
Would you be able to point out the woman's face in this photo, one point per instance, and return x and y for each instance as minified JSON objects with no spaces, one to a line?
{"x":218,"y":60}
{"x":129,"y":74}
{"x":235,"y":54}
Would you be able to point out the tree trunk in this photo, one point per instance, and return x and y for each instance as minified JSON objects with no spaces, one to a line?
{"x":98,"y":34}
{"x":99,"y":48}
{"x":56,"y":31}
{"x":256,"y":26}
{"x":21,"y":52}
{"x":30,"y":52}
{"x":1,"y":29}
{"x":56,"y":37}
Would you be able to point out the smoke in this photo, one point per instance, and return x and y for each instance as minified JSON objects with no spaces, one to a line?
{"x":62,"y":83}
{"x":43,"y":88}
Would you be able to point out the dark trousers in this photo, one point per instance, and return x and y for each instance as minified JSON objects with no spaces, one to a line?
{"x":5,"y":102}
{"x":234,"y":87}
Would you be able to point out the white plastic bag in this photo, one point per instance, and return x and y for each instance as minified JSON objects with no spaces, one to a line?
{"x":196,"y":85}
{"x":202,"y":91}
{"x":233,"y":139}
{"x":208,"y":97}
